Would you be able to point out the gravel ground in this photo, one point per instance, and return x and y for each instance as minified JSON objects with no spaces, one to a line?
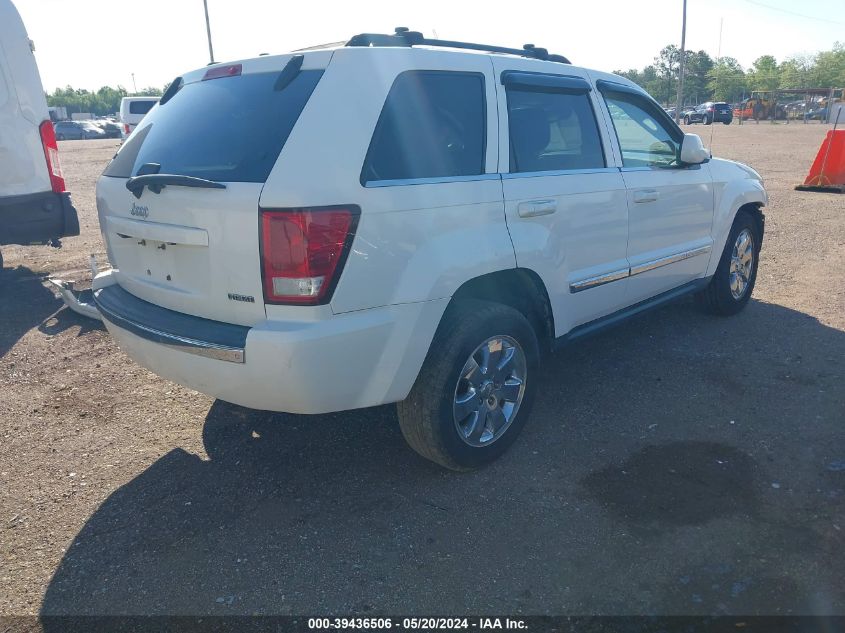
{"x":680,"y":464}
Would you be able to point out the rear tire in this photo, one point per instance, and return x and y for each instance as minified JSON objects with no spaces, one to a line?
{"x":726,"y":122}
{"x":60,"y":137}
{"x":730,"y":289}
{"x":476,"y":386}
{"x":707,"y":120}
{"x":686,"y":120}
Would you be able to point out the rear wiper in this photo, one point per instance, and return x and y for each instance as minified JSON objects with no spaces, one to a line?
{"x":157,"y":182}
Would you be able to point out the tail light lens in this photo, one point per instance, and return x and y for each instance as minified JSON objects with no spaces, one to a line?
{"x":710,"y":109}
{"x":231,"y":70}
{"x":51,"y":155}
{"x":303,"y":252}
{"x":126,"y":129}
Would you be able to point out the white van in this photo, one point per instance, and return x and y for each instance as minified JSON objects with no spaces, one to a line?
{"x":133,"y":109}
{"x":34,"y":206}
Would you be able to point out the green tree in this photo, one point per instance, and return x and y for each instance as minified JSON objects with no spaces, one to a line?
{"x":727,"y":80}
{"x":667,"y":65}
{"x":647,"y":79}
{"x":149,"y":92}
{"x":697,"y":67}
{"x":764,"y":74}
{"x":104,"y":101}
{"x":795,"y":72}
{"x":829,"y":68}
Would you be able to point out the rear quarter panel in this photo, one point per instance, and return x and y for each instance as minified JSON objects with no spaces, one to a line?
{"x":416,"y":242}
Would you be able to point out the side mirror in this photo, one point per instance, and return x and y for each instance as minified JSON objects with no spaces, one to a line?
{"x":693,"y":151}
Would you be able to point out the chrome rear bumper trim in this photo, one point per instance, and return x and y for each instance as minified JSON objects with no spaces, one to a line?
{"x":111,"y":308}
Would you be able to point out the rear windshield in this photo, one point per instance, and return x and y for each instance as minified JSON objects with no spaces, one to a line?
{"x":229,"y":129}
{"x":140,"y":107}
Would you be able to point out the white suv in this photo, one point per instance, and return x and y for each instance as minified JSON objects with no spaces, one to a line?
{"x":407,"y":220}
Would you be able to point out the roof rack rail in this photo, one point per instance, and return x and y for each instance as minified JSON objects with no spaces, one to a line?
{"x":405,"y":37}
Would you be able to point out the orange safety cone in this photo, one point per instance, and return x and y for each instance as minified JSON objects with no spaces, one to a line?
{"x":828,"y":170}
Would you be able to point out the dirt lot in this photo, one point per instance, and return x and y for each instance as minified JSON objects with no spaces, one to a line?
{"x":680,"y":464}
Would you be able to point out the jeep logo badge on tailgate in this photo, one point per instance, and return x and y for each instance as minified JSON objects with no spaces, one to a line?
{"x":139,"y":211}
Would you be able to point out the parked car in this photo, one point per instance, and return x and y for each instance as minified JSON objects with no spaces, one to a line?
{"x":111,"y":129}
{"x":35,"y":208}
{"x":283,"y":247}
{"x":76,"y":130}
{"x":710,"y":112}
{"x":133,"y":110}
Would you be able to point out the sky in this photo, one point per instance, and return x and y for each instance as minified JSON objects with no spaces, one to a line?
{"x":91,"y":43}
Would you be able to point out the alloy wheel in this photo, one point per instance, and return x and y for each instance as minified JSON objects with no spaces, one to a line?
{"x":489,"y":391}
{"x":742,"y":263}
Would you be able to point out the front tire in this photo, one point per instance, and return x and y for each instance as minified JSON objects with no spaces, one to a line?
{"x":476,"y":386}
{"x":730,"y":289}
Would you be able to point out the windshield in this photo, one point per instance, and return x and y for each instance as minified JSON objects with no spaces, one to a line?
{"x":229,"y":129}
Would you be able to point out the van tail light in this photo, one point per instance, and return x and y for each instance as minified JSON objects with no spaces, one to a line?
{"x":51,"y":154}
{"x":126,"y":129}
{"x":303,"y":252}
{"x":710,"y":109}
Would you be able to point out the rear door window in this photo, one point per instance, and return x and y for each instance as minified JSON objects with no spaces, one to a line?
{"x":552,"y":131}
{"x":432,"y":125}
{"x":230,"y":129}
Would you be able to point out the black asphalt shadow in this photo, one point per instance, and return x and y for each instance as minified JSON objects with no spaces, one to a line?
{"x":681,"y":483}
{"x":682,"y":464}
{"x":24,"y":303}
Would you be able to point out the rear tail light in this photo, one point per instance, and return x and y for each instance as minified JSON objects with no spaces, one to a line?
{"x":303,"y":252}
{"x":126,"y":129}
{"x":710,"y":109}
{"x":51,"y":155}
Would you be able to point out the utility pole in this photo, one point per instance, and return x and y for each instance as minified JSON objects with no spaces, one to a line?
{"x":208,"y":31}
{"x":134,"y":87}
{"x":679,"y":100}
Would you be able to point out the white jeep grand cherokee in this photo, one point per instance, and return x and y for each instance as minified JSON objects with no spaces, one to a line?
{"x":408,"y":220}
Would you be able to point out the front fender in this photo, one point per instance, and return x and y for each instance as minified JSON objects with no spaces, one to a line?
{"x":730,"y":197}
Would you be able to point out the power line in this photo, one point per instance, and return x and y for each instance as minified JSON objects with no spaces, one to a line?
{"x":795,"y":13}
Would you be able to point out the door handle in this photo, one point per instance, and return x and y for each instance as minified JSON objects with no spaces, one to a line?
{"x":533,"y":208}
{"x":646,"y":195}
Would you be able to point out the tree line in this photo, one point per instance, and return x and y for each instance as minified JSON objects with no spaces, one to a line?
{"x":705,"y":79}
{"x":104,"y":101}
{"x":724,"y":79}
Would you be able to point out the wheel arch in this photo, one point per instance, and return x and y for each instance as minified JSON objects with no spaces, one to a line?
{"x":519,"y":288}
{"x":738,"y":196}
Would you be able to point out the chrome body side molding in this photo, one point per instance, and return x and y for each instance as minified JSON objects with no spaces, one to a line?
{"x":616,"y":275}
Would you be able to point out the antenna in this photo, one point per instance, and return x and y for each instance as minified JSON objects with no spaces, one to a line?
{"x":718,"y":56}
